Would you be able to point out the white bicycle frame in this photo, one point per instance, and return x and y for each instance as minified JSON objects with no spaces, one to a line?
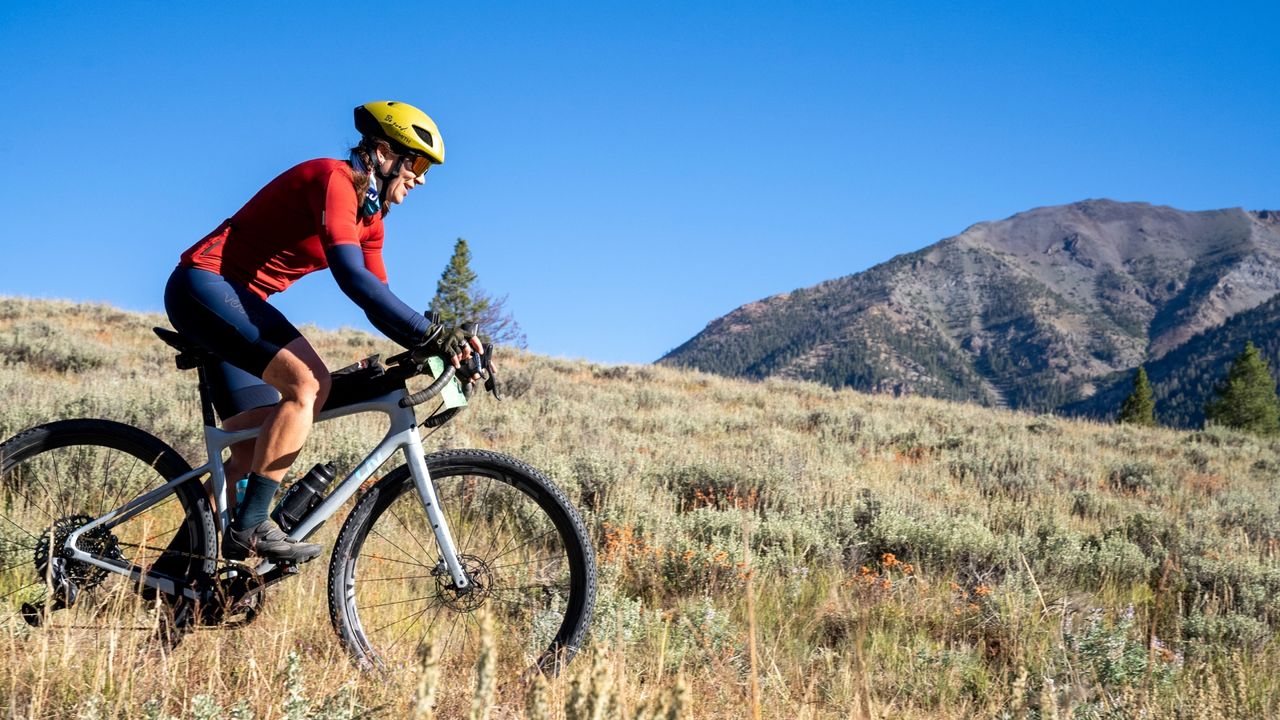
{"x":401,"y":435}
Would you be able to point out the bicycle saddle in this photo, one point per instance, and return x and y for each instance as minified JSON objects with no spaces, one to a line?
{"x":190,"y":355}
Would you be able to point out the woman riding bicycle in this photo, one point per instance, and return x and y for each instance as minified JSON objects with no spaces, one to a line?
{"x":321,"y":213}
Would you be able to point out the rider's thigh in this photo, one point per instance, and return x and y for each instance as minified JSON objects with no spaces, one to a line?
{"x":298,"y":373}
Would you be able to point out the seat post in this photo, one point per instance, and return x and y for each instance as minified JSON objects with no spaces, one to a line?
{"x":206,"y":404}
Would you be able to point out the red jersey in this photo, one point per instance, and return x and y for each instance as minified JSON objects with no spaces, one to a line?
{"x":282,"y":232}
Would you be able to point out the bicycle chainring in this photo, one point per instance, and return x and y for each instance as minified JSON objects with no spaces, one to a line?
{"x":237,"y":598}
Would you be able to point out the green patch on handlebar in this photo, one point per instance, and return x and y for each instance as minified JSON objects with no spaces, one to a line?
{"x":452,"y":392}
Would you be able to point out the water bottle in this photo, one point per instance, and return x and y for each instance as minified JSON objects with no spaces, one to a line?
{"x":302,"y":496}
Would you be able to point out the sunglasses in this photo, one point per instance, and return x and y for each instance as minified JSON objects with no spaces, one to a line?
{"x":418,"y":163}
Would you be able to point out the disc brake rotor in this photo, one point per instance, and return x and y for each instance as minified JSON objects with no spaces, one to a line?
{"x":475,"y":594}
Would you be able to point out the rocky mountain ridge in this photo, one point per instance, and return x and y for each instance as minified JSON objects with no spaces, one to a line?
{"x":1034,"y":311}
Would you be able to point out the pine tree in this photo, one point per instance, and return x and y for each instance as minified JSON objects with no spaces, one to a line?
{"x":454,"y":301}
{"x":457,"y":300}
{"x":1139,"y":408}
{"x":1246,"y":399}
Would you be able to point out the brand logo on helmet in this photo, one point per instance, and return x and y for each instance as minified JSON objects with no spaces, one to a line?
{"x":403,"y":130}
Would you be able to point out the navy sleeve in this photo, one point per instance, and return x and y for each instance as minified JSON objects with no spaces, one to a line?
{"x":388,"y":313}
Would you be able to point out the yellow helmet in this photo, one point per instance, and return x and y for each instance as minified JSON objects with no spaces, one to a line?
{"x":404,"y":126}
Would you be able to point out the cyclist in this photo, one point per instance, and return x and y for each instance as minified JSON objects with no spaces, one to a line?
{"x":321,"y":213}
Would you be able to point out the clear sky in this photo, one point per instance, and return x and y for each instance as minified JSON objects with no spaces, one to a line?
{"x":624,"y":172}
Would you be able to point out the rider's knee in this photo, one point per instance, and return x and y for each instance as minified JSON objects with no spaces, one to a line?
{"x":324,"y":384}
{"x":305,"y":391}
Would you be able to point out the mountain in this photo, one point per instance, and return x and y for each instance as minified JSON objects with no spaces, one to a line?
{"x":1045,"y":310}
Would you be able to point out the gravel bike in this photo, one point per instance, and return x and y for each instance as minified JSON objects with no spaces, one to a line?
{"x":101,"y":519}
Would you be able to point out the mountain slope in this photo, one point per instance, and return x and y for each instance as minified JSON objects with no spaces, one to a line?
{"x":1030,"y":312}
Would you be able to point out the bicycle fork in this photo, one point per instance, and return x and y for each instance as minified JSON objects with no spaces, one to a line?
{"x":413,"y":453}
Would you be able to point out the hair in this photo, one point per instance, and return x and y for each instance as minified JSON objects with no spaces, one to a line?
{"x":366,"y":151}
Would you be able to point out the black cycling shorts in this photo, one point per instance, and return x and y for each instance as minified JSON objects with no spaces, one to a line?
{"x":229,"y":321}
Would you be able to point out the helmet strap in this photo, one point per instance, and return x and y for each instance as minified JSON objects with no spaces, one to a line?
{"x":384,"y":183}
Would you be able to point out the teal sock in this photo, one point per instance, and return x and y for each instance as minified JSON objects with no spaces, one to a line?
{"x":257,"y":501}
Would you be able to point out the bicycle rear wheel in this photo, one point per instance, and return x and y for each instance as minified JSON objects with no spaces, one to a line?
{"x":58,"y":477}
{"x":521,"y":542}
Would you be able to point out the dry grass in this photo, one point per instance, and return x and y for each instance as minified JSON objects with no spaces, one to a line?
{"x":906,"y":558}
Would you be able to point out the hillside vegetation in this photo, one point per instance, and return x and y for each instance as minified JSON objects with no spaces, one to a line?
{"x":905,"y":558}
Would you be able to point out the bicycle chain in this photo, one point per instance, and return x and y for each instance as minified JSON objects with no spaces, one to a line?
{"x":221,"y":567}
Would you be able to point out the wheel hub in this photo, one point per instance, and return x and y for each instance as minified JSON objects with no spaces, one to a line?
{"x":479,"y":578}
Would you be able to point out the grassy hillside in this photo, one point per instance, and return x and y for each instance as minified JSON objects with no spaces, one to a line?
{"x":903,"y":557}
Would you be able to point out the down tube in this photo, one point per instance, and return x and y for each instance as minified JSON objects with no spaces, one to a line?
{"x":431,"y":504}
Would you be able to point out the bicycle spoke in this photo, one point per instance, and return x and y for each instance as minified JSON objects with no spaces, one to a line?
{"x":392,"y":602}
{"x":402,"y":552}
{"x":33,"y":505}
{"x":466,"y":542}
{"x":24,"y":587}
{"x":535,"y":586}
{"x":402,"y":577}
{"x":402,"y":562}
{"x":24,"y":530}
{"x":20,"y":563}
{"x":406,"y":617}
{"x":405,"y":631}
{"x":39,"y":478}
{"x":118,"y":499}
{"x":516,"y":564}
{"x":523,"y":544}
{"x":163,"y":534}
{"x":15,"y":546}
{"x":411,"y":535}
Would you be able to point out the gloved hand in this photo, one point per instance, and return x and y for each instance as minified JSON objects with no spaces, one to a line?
{"x":481,"y":366}
{"x":454,"y":344}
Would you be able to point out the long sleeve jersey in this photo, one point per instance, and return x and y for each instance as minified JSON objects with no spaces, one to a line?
{"x":303,"y":221}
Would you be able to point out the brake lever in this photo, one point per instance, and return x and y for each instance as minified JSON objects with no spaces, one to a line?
{"x":481,"y":365}
{"x":491,"y":384}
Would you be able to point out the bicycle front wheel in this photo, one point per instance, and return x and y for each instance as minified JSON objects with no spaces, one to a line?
{"x":521,"y":543}
{"x":58,"y":477}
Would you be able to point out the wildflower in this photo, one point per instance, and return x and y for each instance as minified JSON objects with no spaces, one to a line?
{"x":889,"y":560}
{"x":982,"y":591}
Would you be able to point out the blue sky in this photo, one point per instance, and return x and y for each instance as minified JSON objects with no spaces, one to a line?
{"x":626,"y":172}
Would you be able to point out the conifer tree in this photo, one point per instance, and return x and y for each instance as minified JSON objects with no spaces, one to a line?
{"x":458,"y":300}
{"x":454,"y":301}
{"x":1139,"y":408}
{"x":1246,"y":399}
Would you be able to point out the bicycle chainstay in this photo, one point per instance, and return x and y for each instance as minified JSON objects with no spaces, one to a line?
{"x":218,"y":596}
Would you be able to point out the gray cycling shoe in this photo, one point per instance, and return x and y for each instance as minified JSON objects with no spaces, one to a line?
{"x":268,"y":541}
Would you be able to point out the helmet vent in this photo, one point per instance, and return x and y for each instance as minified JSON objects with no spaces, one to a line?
{"x":426,"y":136}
